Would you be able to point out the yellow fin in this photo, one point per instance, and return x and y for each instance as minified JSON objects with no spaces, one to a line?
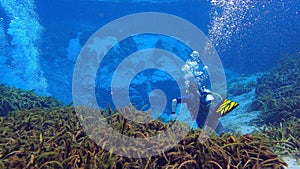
{"x":226,"y":107}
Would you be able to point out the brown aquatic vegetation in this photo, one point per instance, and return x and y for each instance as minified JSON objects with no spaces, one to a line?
{"x":278,"y":92}
{"x":287,"y":137}
{"x":54,"y":138}
{"x":12,"y":99}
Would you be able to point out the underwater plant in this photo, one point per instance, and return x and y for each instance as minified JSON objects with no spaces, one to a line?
{"x":287,"y":137}
{"x":42,"y":133}
{"x":278,"y":92}
{"x":12,"y":99}
{"x":54,"y":138}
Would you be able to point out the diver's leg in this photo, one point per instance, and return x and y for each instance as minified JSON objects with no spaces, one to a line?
{"x":201,"y":118}
{"x":222,"y":129}
{"x":219,"y":129}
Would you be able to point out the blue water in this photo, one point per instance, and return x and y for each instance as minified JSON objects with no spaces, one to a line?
{"x":140,"y":88}
{"x":42,"y":39}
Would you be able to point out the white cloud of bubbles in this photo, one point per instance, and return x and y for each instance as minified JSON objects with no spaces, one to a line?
{"x":25,"y":32}
{"x":194,"y":70}
{"x":228,"y":19}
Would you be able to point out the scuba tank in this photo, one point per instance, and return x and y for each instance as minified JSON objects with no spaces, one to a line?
{"x":207,"y":94}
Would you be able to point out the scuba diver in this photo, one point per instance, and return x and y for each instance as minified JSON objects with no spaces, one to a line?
{"x":199,"y":103}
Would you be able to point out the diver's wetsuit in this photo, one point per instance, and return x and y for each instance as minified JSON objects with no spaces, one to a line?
{"x":203,"y":110}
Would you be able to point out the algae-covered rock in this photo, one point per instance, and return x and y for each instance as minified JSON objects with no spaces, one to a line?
{"x":17,"y":99}
{"x":278,"y":92}
{"x":241,"y":85}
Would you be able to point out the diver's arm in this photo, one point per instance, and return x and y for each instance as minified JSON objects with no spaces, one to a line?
{"x":178,"y":100}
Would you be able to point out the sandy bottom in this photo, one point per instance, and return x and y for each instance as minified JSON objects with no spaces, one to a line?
{"x":239,"y":120}
{"x":292,"y":163}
